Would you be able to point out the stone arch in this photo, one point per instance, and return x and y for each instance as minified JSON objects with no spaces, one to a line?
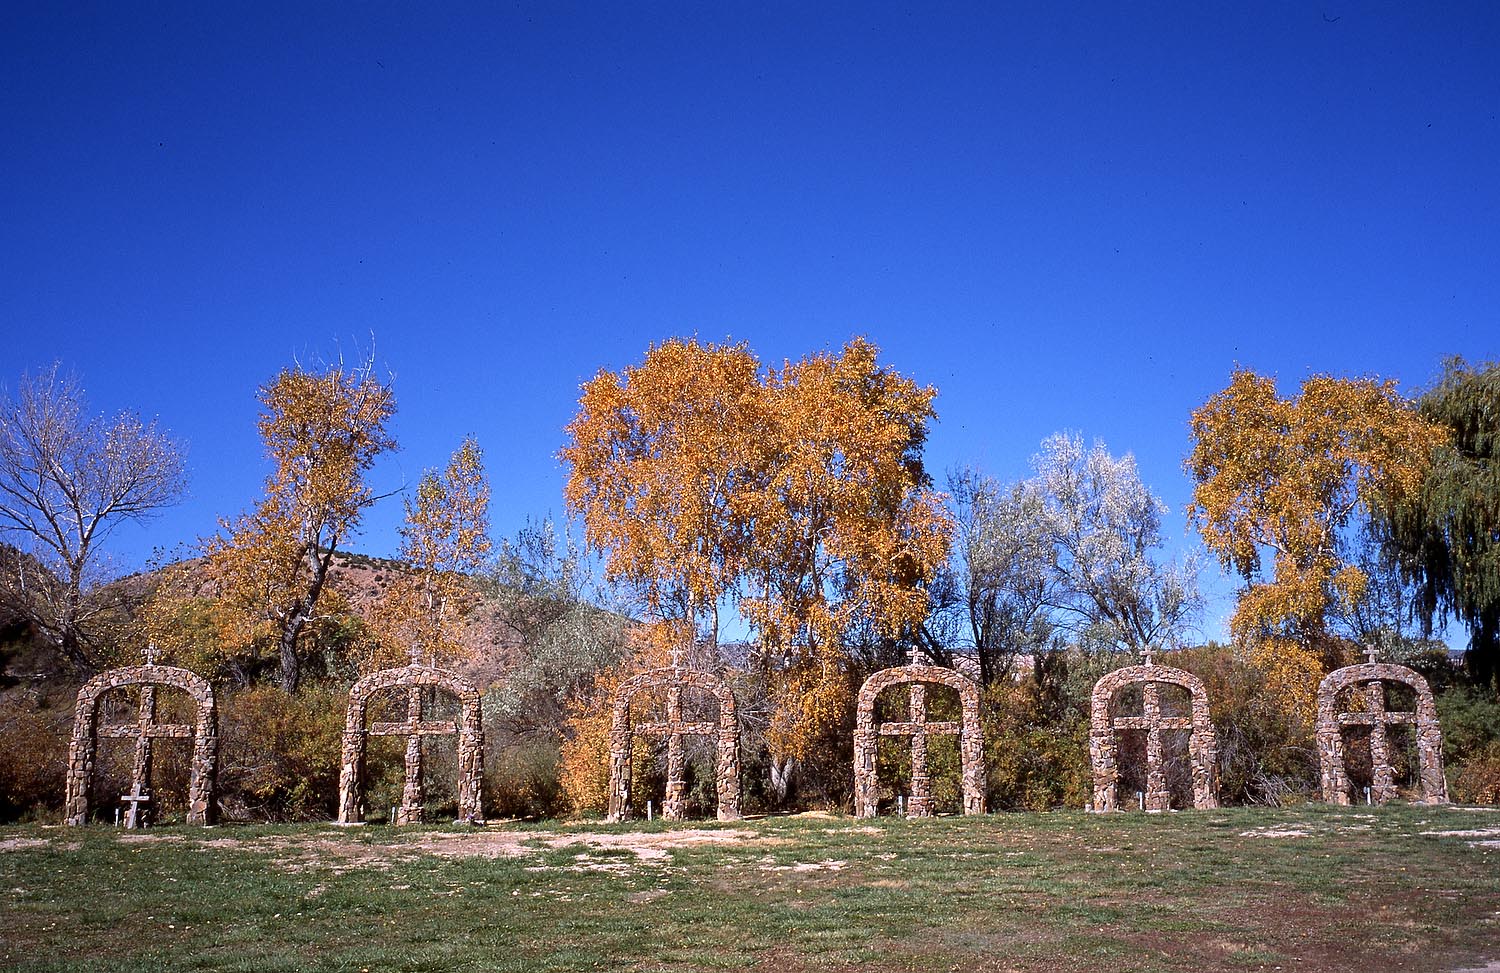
{"x":86,"y":732}
{"x":1103,"y":747}
{"x":469,"y":730}
{"x":726,"y":732}
{"x":1374,"y":676}
{"x":867,"y":734}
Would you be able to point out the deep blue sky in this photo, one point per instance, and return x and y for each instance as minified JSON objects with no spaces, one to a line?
{"x":1063,"y":217}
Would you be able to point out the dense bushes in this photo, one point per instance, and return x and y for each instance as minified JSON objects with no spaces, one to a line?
{"x":280,"y":753}
{"x":1471,"y":744}
{"x":1036,"y":741}
{"x":33,"y":755}
{"x":523,"y":780}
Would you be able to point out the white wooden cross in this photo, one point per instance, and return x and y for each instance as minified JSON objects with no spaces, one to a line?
{"x":135,"y":799}
{"x":1149,"y":653}
{"x":1372,"y":652}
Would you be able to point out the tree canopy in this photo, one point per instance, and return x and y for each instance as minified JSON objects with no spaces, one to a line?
{"x":797,"y":494}
{"x":1071,"y":549}
{"x":323,"y":430}
{"x":1446,"y":535}
{"x":446,"y":536}
{"x":1285,"y":477}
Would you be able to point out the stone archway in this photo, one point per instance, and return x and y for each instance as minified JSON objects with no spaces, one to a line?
{"x":1103,"y":727}
{"x":867,"y":733}
{"x":1374,"y":676}
{"x":204,"y":732}
{"x":675,"y":680}
{"x":468,"y":729}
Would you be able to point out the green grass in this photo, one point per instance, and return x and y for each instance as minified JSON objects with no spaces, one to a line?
{"x":1054,"y":892}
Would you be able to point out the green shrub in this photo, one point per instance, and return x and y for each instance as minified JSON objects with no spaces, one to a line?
{"x":1265,"y":757}
{"x":1477,"y":779}
{"x":33,"y":756}
{"x":1470,"y":718}
{"x":279,"y":754}
{"x":1036,"y":740}
{"x":522,"y":780}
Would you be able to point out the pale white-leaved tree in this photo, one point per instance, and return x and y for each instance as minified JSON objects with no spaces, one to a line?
{"x":1110,"y":585}
{"x":991,"y":601}
{"x":1073,"y":551}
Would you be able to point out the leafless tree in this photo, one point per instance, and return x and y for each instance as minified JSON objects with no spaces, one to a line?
{"x":66,"y":480}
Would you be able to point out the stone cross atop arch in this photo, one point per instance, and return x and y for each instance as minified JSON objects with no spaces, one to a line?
{"x":1104,"y":727}
{"x":1372,"y":677}
{"x":867,"y":733}
{"x":675,"y":681}
{"x":469,"y":730}
{"x":145,"y":731}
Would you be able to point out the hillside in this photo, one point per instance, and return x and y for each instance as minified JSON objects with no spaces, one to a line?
{"x":493,"y":632}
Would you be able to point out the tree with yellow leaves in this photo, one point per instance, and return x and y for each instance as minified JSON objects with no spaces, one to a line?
{"x":794,"y":495}
{"x":660,"y":457}
{"x":323,"y":430}
{"x":1285,"y":477}
{"x":446,"y":537}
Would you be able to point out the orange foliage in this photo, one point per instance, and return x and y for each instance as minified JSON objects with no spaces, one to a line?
{"x":446,"y":536}
{"x":1285,"y":476}
{"x":323,"y":431}
{"x":800,"y":494}
{"x":796,"y":494}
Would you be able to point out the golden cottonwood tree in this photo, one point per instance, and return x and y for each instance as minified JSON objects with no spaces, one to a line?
{"x":844,"y":528}
{"x":660,"y":458}
{"x":796,"y":495}
{"x":446,"y":537}
{"x":323,"y":431}
{"x":1284,"y":477}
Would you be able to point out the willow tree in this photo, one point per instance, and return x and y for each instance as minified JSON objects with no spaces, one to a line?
{"x":1283,"y":478}
{"x":793,"y":495}
{"x":323,"y":430}
{"x":1446,"y":535}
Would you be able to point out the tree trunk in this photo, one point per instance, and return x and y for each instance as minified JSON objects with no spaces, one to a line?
{"x":291,"y":670}
{"x":291,"y":630}
{"x":782,"y":770}
{"x":69,"y":638}
{"x":71,"y":644}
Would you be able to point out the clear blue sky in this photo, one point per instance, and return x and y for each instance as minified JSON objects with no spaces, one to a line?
{"x":1068,"y":217}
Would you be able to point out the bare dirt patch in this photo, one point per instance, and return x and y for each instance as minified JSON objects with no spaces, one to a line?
{"x":1481,"y":837}
{"x":1276,"y":833}
{"x":341,"y":854}
{"x":648,"y":845}
{"x":21,"y":844}
{"x":827,"y":865}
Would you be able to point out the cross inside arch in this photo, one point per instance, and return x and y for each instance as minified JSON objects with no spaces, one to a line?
{"x":676,"y":730}
{"x":919,"y":728}
{"x":1377,"y":718}
{"x":144,"y":731}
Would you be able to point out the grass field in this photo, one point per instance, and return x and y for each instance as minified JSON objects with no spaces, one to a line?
{"x":1312,"y":888}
